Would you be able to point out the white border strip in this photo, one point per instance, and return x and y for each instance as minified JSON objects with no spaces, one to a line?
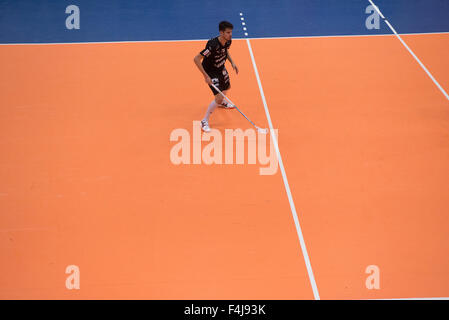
{"x":411,"y":52}
{"x":284,"y":177}
{"x":193,"y":40}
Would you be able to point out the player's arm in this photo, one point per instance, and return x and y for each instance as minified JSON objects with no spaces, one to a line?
{"x":198,"y":58}
{"x":234,"y":66}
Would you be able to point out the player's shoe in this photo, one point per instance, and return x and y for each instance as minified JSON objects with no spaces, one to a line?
{"x":205,"y":126}
{"x":226,"y":105}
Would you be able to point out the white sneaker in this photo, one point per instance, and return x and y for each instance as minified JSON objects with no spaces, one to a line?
{"x":226,"y":105}
{"x":205,"y":126}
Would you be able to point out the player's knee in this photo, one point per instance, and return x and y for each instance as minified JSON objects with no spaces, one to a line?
{"x":218,"y":100}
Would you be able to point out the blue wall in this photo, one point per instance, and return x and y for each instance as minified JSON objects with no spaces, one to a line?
{"x":26,"y":21}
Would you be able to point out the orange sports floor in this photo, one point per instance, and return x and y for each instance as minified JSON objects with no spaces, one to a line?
{"x":86,"y":178}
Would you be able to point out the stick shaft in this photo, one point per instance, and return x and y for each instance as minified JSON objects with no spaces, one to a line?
{"x":235,"y":106}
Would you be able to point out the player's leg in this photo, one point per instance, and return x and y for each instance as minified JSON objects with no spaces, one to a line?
{"x":216,"y":100}
{"x":225,"y":86}
{"x":213,"y":105}
{"x":223,"y":83}
{"x":219,"y":98}
{"x":223,"y":103}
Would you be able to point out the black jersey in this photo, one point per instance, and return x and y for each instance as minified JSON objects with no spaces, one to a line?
{"x":215,"y":55}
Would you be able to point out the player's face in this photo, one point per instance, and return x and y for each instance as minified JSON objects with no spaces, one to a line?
{"x":227,"y":34}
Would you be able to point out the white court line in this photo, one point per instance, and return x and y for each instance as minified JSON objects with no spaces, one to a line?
{"x":193,"y":40}
{"x":436,"y":298}
{"x":346,"y":36}
{"x":284,"y":177}
{"x":411,"y":52}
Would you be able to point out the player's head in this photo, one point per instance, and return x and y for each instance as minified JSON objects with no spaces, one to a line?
{"x":225,"y":29}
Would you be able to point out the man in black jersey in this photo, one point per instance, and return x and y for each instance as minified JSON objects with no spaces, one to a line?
{"x":213,"y":68}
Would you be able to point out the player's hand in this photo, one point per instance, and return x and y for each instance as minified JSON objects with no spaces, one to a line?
{"x":234,"y":66}
{"x":208,"y":80}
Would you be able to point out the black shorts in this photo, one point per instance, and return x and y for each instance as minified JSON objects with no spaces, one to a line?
{"x":220,"y":78}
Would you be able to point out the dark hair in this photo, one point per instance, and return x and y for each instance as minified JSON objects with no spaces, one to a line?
{"x":225,"y":25}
